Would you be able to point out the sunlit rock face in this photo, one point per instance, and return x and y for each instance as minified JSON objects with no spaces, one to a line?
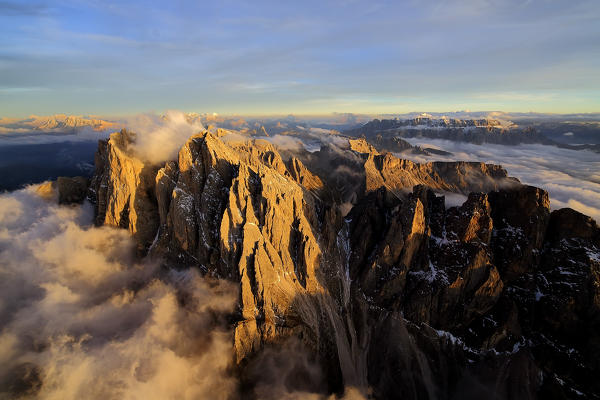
{"x":398,"y":295}
{"x":123,"y":189}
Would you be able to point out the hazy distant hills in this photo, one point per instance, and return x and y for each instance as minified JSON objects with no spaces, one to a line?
{"x":577,"y":131}
{"x":473,"y":127}
{"x":570,"y":134}
{"x":58,"y":122}
{"x":43,"y":141}
{"x":36,"y":148}
{"x":34,"y":163}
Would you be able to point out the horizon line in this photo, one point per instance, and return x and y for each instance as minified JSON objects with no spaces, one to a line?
{"x":300,"y":114}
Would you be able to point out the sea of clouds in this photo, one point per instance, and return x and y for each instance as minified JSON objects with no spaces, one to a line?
{"x":571,"y":177}
{"x":29,"y":136}
{"x":81,"y":318}
{"x":159,"y":138}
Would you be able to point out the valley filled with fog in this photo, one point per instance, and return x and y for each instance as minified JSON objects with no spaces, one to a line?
{"x":571,"y":177}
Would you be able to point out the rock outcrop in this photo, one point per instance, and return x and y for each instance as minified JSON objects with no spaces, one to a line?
{"x":71,"y":190}
{"x":123,"y":189}
{"x":65,"y":190}
{"x":361,"y":146}
{"x":354,"y":172}
{"x":461,"y":176}
{"x":400,"y":297}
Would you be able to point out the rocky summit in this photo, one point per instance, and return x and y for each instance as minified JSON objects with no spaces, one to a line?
{"x":352,"y":254}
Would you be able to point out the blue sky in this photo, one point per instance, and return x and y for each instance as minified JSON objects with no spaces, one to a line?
{"x":279,"y":57}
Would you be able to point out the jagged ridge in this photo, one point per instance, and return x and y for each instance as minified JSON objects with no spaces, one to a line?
{"x":402,"y":295}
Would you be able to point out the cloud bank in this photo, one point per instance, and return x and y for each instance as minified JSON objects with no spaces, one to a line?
{"x":54,"y":129}
{"x":159,"y":138}
{"x":25,"y":137}
{"x":571,"y":177}
{"x":81,"y":318}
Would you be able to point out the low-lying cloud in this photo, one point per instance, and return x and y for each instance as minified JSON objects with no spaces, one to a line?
{"x":571,"y":177}
{"x":284,"y":142}
{"x":159,"y":138}
{"x":29,"y":136}
{"x":54,"y":129}
{"x":81,"y":318}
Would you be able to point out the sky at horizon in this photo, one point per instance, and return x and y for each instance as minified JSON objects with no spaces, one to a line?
{"x":279,"y":57}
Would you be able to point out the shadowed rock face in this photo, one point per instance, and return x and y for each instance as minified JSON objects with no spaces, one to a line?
{"x":71,"y":190}
{"x":400,"y":297}
{"x":68,"y":190}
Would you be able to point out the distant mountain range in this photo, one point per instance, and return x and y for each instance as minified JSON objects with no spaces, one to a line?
{"x":567,"y":134}
{"x":574,"y":132}
{"x":35,"y":149}
{"x":58,"y":122}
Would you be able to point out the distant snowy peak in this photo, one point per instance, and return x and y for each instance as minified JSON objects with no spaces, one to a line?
{"x":71,"y":121}
{"x":56,"y":122}
{"x":425,"y":121}
{"x":475,"y":130}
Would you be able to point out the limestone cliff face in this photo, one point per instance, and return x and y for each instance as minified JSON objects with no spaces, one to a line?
{"x":68,"y":190}
{"x":123,"y":188}
{"x":361,"y":169}
{"x":400,"y":297}
{"x":236,"y":211}
{"x":461,"y":176}
{"x":362,"y":146}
